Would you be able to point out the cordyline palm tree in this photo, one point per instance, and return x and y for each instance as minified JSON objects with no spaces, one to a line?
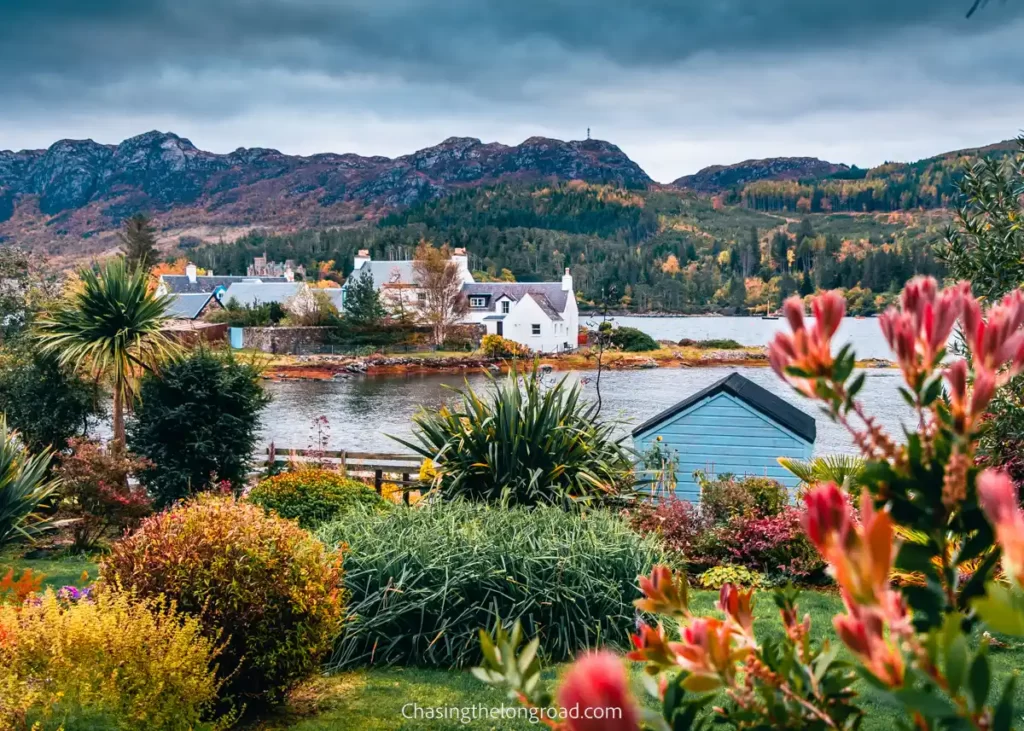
{"x":110,"y":327}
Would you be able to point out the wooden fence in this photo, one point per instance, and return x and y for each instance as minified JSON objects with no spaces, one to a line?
{"x":402,"y":469}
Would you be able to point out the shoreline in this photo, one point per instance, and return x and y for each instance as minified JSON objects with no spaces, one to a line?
{"x":335,"y":367}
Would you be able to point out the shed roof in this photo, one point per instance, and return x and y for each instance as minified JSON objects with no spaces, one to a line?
{"x":757,"y":397}
{"x":187,"y":306}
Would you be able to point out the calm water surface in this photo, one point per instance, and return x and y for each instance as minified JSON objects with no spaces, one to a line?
{"x":863,"y":333}
{"x":363,"y":410}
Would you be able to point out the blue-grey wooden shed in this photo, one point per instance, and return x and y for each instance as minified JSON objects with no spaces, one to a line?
{"x":732,"y":426}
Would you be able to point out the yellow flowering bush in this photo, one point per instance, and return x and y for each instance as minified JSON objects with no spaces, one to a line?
{"x":134,"y":664}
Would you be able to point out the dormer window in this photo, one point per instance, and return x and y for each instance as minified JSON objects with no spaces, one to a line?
{"x":505,"y":307}
{"x":477,"y":302}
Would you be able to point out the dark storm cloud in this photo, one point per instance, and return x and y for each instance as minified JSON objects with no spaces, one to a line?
{"x":677,"y":83}
{"x":444,"y":40}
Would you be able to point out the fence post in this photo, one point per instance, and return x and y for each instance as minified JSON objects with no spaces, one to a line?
{"x":378,"y":481}
{"x":405,"y":492}
{"x":344,"y":467}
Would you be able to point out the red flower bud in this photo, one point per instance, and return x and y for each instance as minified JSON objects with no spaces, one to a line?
{"x":595,"y":695}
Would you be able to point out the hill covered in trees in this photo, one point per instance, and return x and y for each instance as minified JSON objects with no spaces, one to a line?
{"x":814,"y":186}
{"x":643,"y":250}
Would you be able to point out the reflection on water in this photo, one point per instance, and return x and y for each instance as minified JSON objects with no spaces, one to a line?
{"x":863,"y":333}
{"x":363,"y":410}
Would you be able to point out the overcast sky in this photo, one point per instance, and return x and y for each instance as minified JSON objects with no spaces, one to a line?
{"x":677,"y":84}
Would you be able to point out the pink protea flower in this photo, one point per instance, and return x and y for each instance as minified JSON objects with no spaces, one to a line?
{"x":738,"y":606}
{"x":664,"y":593}
{"x":595,"y":694}
{"x":998,"y":340}
{"x":708,"y":650}
{"x":860,"y":555}
{"x":863,"y":630}
{"x":808,"y":349}
{"x":998,"y":497}
{"x":918,"y":331}
{"x":966,"y":408}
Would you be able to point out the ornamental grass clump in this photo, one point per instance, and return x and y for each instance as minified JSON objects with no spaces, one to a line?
{"x":109,"y":661}
{"x":314,"y":496}
{"x":523,"y":443}
{"x":260,"y":585}
{"x":915,"y":644}
{"x":421,"y":581}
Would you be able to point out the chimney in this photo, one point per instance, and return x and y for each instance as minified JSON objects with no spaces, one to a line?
{"x":363,"y":257}
{"x":460,"y":257}
{"x":190,"y":272}
{"x":567,"y":281}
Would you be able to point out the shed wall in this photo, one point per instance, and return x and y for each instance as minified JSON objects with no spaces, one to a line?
{"x":723,"y":434}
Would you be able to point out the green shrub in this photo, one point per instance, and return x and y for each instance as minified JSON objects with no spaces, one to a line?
{"x":715,"y":577}
{"x":632,"y":340}
{"x":422,"y":581}
{"x":313,"y":496}
{"x":523,"y":443}
{"x":712,"y":344}
{"x":258,"y":583}
{"x":728,"y":497}
{"x":197,"y":422}
{"x":46,"y":402}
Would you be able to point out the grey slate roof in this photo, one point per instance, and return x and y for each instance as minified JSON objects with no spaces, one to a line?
{"x":188,"y":306}
{"x":545,"y":305}
{"x":179,"y":283}
{"x":249,"y":293}
{"x":551,"y":291}
{"x":757,"y":397}
{"x":383,"y":272}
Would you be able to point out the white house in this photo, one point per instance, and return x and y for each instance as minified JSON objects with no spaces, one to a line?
{"x":541,"y":315}
{"x":191,"y":282}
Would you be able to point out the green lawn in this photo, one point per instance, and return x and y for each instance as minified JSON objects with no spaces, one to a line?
{"x":375,"y":698}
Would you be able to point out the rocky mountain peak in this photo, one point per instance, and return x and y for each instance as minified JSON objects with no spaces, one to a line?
{"x":716,"y":178}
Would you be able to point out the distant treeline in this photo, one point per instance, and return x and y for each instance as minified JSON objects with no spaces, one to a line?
{"x":639,"y":250}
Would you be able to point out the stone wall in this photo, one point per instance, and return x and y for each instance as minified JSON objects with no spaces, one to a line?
{"x":285,"y":340}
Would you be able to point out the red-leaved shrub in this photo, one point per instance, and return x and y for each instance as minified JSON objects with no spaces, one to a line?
{"x":678,"y":523}
{"x":775,"y":545}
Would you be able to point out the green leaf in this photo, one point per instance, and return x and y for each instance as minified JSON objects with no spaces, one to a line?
{"x":929,"y":705}
{"x":1003,"y":717}
{"x":980,"y":679}
{"x":916,"y":557}
{"x":1001,"y":610}
{"x":956,"y":663}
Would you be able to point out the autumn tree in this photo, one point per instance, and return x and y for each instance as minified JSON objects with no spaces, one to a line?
{"x":671,"y":265}
{"x":138,"y":242}
{"x":440,"y":281}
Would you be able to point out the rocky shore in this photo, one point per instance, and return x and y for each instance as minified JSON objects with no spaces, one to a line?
{"x":331,"y":367}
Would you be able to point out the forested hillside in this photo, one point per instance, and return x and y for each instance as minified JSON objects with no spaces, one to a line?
{"x":654,"y":250}
{"x":930,"y":183}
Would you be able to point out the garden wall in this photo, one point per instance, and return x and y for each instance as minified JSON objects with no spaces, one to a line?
{"x":294,"y":340}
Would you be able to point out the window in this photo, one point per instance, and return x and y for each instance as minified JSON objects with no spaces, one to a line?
{"x":421,"y":297}
{"x":535,"y":328}
{"x":505,"y":307}
{"x":477,"y":301}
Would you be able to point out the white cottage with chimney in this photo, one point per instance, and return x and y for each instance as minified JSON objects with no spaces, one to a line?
{"x":541,"y":315}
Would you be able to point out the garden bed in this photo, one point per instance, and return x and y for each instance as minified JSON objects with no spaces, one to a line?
{"x":374,"y":699}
